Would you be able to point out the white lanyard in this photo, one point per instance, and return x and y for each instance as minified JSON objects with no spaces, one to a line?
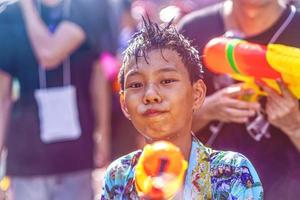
{"x":66,"y":74}
{"x":283,"y":26}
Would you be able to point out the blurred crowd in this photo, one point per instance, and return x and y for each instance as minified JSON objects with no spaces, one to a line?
{"x":76,"y":47}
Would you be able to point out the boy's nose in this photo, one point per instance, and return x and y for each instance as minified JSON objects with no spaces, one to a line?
{"x":151,"y":95}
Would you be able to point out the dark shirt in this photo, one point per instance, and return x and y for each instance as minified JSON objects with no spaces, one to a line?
{"x":27,"y":154}
{"x":276,"y":159}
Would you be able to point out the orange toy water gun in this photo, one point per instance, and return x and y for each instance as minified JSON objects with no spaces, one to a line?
{"x":246,"y":61}
{"x":160,"y":171}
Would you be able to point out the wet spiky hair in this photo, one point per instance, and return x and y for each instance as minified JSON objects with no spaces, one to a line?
{"x":152,"y":36}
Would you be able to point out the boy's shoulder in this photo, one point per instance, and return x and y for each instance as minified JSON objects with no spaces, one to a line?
{"x":228,"y":158}
{"x":119,"y":178}
{"x":233,"y":170}
{"x":123,"y":165}
{"x":230,"y":164}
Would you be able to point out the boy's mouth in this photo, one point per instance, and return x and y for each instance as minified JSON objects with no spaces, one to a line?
{"x":152,"y":112}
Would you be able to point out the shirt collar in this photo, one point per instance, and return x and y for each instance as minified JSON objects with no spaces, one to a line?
{"x":198,"y":178}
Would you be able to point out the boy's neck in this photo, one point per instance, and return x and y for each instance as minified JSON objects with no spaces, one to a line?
{"x":185,"y":145}
{"x":183,"y":142}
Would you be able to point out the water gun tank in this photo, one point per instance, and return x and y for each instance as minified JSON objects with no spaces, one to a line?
{"x":160,"y":171}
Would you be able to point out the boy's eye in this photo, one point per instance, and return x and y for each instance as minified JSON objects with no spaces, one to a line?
{"x":134,"y":85}
{"x":167,"y":81}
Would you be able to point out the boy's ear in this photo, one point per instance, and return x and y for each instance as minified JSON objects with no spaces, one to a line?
{"x":123,"y":105}
{"x":199,"y":89}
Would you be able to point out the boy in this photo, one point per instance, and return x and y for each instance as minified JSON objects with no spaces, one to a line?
{"x":161,"y":87}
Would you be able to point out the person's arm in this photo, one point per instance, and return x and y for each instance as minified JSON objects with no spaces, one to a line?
{"x":295,"y":138}
{"x":50,"y":48}
{"x":5,"y":104}
{"x":283,"y":112}
{"x":101,"y":98}
{"x":224,"y":106}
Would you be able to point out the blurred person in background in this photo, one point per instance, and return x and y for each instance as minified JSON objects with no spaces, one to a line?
{"x":164,"y":10}
{"x":223,"y":119}
{"x":122,"y":24}
{"x":58,"y":130}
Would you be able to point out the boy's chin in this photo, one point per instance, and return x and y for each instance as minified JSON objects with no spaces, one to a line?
{"x":164,"y":136}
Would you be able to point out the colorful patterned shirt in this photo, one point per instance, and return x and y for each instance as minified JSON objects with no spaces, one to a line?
{"x":210,"y":175}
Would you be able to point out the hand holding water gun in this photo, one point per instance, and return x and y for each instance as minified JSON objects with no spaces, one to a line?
{"x":249,"y":62}
{"x":160,"y":171}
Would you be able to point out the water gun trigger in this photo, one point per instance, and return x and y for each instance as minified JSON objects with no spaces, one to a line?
{"x":249,"y":83}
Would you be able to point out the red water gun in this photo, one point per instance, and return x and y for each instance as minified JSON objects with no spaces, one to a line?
{"x":247,"y":61}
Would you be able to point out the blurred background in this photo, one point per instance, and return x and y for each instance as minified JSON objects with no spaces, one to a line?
{"x":124,"y":17}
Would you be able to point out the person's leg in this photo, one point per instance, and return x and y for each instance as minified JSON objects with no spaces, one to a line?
{"x":32,"y":188}
{"x":75,"y":186}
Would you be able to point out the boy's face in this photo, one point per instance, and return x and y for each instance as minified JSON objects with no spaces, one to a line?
{"x":158,"y":97}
